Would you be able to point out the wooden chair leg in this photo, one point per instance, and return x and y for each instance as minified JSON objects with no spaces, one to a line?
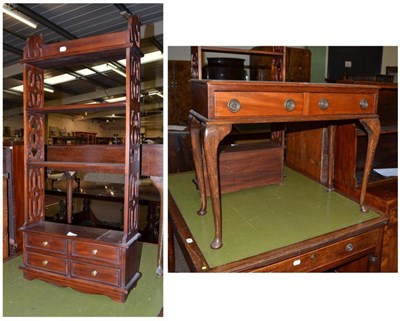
{"x":373,"y":128}
{"x":171,"y":248}
{"x":213,"y":134}
{"x":158,"y":183}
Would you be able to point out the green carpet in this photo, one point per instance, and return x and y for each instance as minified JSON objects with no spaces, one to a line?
{"x":261,"y":219}
{"x":37,"y":298}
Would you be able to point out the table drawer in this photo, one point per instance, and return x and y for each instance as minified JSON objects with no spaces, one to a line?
{"x":256,"y":104}
{"x":95,"y":273}
{"x":105,"y":253}
{"x":332,"y":104}
{"x":47,"y":262}
{"x":331,"y":255}
{"x":46,"y":242}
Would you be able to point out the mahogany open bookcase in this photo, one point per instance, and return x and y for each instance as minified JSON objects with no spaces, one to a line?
{"x":92,"y":260}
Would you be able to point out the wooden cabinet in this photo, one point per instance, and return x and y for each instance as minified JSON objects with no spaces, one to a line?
{"x":5,"y":220}
{"x":179,"y":149}
{"x":86,"y":138}
{"x":91,"y":260}
{"x":178,"y":91}
{"x":13,"y":168}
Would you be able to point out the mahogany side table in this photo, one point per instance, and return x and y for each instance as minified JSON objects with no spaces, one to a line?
{"x":219,"y":104}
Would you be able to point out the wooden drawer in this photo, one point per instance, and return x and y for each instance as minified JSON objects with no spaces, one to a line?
{"x":95,"y":273}
{"x":47,"y":262}
{"x":255,"y":104}
{"x":105,"y":253}
{"x":46,"y":242}
{"x":332,"y":104}
{"x":328,"y":256}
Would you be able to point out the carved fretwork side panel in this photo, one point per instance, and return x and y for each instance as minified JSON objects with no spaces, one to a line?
{"x":34,"y":148}
{"x":33,"y":135}
{"x":35,"y":195}
{"x":33,"y":47}
{"x":195,"y":63}
{"x":132,"y":151}
{"x":277,"y":65}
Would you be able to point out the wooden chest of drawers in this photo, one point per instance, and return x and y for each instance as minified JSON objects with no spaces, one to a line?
{"x":93,"y":256}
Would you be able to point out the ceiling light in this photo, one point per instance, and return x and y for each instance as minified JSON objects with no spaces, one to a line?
{"x":19,"y":16}
{"x":20,"y":88}
{"x":156,"y":93}
{"x":114,"y":100}
{"x":59,"y":79}
{"x":116,"y":70}
{"x":49,"y":90}
{"x":149,"y":57}
{"x":102,"y":68}
{"x":85,"y":72}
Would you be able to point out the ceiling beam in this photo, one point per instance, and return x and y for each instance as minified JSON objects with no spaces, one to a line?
{"x":122,"y":8}
{"x":43,"y":21}
{"x":15,"y":34}
{"x":12,"y":49}
{"x":156,"y":43}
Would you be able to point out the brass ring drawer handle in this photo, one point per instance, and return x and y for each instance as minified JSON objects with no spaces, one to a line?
{"x":45,"y":243}
{"x":290,"y":104}
{"x":45,"y":262}
{"x":323,"y":103}
{"x":234,"y":105}
{"x":94,"y":273}
{"x":364,"y":103}
{"x":94,"y":252}
{"x":349,"y":247}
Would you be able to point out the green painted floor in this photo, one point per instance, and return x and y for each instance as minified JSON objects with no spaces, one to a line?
{"x":37,"y":298}
{"x":258,"y":220}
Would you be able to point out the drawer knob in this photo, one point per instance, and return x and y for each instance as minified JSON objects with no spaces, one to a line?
{"x":323,"y":103}
{"x":349,"y":247}
{"x":94,"y":273}
{"x":234,"y":105}
{"x":94,"y":252}
{"x":290,"y":104}
{"x":45,"y":262}
{"x":364,"y":103}
{"x":45,"y":243}
{"x":313,"y":257}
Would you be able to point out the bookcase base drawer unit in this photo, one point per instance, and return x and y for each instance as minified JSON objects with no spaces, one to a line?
{"x":91,"y":263}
